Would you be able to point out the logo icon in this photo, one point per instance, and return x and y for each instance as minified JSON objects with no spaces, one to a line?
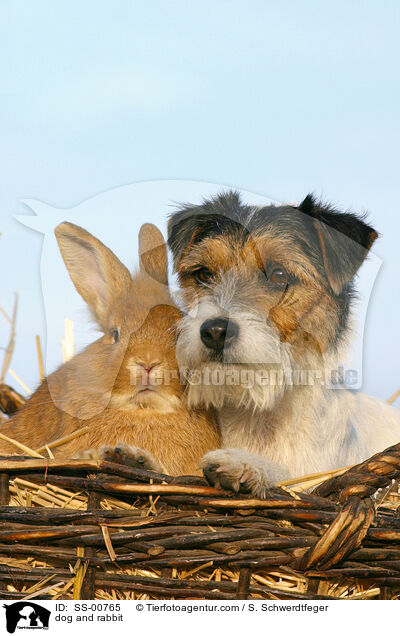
{"x":26,"y":615}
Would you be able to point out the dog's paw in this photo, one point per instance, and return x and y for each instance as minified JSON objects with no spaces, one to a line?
{"x":123,"y":454}
{"x":239,"y":471}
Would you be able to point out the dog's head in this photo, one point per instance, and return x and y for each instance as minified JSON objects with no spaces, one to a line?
{"x":266,"y":288}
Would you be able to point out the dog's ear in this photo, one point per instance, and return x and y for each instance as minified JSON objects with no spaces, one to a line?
{"x":182,"y":229}
{"x":192,"y":223}
{"x":344,"y":240}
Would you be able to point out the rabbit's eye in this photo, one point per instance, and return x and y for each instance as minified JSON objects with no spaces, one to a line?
{"x":115,"y":335}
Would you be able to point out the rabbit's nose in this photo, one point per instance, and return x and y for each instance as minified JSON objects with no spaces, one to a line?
{"x":150,"y":367}
{"x":147,"y":368}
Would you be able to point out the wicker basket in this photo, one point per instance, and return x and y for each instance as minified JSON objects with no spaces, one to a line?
{"x":87,"y":529}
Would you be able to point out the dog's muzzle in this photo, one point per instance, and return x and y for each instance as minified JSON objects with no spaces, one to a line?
{"x":218,"y":333}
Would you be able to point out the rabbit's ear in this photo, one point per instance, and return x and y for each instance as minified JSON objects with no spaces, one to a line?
{"x":96,"y":272}
{"x":153,"y":253}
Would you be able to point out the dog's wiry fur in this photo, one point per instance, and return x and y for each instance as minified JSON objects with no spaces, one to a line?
{"x":282,"y":428}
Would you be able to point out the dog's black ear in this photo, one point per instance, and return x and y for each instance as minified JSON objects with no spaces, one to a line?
{"x":213,"y":216}
{"x":344,"y":239}
{"x":182,"y":228}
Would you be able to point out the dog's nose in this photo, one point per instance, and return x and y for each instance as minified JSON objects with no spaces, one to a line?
{"x":218,"y":333}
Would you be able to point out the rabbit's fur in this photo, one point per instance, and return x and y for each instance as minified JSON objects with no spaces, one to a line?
{"x":109,"y":386}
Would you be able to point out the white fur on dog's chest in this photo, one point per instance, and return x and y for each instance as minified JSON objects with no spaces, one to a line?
{"x":256,"y":433}
{"x":339,"y":429}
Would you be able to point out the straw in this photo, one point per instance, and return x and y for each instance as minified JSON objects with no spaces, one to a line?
{"x":20,"y":382}
{"x":25,"y":449}
{"x":63,"y":440}
{"x":67,"y":343}
{"x":11,"y":342}
{"x":40,"y":358}
{"x":394,"y":397}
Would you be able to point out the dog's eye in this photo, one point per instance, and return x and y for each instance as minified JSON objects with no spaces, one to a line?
{"x":202,"y":275}
{"x":279,"y":277}
{"x":115,"y":335}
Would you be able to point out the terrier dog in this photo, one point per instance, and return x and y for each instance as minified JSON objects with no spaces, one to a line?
{"x":268,"y":294}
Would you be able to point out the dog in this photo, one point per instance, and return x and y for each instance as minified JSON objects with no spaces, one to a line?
{"x":268,"y":293}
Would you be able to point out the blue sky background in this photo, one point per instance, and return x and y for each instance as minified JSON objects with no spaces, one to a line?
{"x":276,"y":98}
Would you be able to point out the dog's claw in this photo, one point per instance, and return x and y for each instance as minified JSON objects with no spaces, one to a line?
{"x":245,"y":488}
{"x":210,"y":473}
{"x":216,"y":477}
{"x":237,"y":471}
{"x":226,"y":483}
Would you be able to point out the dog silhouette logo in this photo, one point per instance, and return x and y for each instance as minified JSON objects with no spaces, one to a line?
{"x":26,"y":615}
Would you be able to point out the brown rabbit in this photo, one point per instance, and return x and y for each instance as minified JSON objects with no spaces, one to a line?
{"x":125,"y":386}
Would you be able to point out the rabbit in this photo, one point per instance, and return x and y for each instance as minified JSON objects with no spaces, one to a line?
{"x":125,"y":386}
